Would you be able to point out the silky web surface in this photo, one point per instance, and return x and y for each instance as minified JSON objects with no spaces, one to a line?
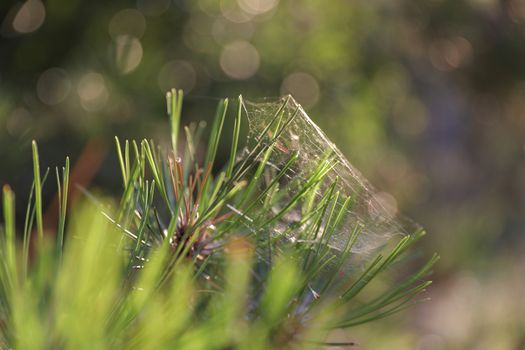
{"x":377,"y":222}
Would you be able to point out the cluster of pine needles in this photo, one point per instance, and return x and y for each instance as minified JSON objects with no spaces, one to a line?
{"x":189,"y":257}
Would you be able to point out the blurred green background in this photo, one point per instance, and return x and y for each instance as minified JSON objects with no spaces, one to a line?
{"x":426,"y":98}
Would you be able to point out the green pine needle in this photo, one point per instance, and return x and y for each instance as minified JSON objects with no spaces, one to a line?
{"x":249,"y":256}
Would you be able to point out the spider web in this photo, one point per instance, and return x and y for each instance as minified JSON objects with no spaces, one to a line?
{"x":379,"y":222}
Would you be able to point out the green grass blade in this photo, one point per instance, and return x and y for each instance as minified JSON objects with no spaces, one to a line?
{"x":216,"y":131}
{"x":38,"y":192}
{"x":9,"y":227}
{"x":157,"y":172}
{"x":235,"y":139}
{"x":122,"y":162}
{"x":63,"y":198}
{"x":174,"y":106}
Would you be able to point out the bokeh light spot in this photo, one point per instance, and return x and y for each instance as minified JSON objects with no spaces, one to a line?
{"x":92,"y":91}
{"x":516,"y":10}
{"x":232,"y":12}
{"x":30,"y":17}
{"x":303,"y":87}
{"x":240,"y":60}
{"x":127,"y":22}
{"x":53,"y":86}
{"x":128,"y":53}
{"x":224,"y":31}
{"x":177,"y":74}
{"x":449,"y":54}
{"x":257,"y":7}
{"x":196,"y":34}
{"x":490,"y":7}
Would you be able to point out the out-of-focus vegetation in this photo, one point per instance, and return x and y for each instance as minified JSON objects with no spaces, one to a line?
{"x":425,"y":97}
